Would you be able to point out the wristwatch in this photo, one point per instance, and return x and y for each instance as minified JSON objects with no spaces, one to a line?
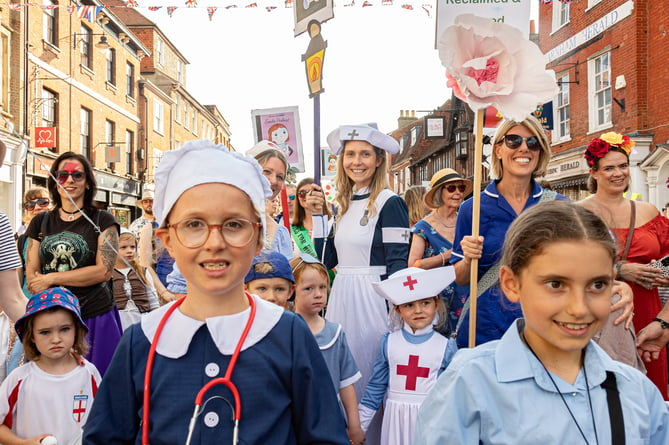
{"x":663,"y":323}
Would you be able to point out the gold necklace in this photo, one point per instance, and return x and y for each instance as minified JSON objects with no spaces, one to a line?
{"x":439,"y":219}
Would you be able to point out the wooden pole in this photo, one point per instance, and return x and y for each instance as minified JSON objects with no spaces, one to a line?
{"x":476,"y":210}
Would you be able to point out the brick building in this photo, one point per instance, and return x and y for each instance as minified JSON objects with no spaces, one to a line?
{"x":609,"y":57}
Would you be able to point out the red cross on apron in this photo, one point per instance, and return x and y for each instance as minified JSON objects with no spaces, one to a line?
{"x":412,"y":371}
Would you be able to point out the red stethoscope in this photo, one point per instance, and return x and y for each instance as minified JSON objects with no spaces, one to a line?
{"x":226,"y":380}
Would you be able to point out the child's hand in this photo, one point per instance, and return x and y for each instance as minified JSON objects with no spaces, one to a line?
{"x":355,"y":435}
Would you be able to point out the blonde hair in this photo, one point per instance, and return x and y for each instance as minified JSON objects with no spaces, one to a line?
{"x":441,"y":314}
{"x":414,"y":199}
{"x":139,"y":269}
{"x":345,"y":185}
{"x":537,"y":130}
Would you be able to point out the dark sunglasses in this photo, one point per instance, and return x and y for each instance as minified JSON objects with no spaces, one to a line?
{"x":451,"y":188}
{"x":514,"y":141}
{"x":29,"y":205}
{"x":302,"y":193}
{"x":77,"y":176}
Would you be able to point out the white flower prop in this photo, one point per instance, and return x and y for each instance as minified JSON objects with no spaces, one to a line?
{"x":490,"y":63}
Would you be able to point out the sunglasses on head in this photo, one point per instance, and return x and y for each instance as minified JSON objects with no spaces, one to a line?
{"x":29,"y":205}
{"x":451,"y":188}
{"x":514,"y":141}
{"x":77,"y":176}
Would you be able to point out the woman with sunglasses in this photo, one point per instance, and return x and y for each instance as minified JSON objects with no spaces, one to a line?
{"x":520,"y":154}
{"x":301,"y":226}
{"x":432,"y":236}
{"x":75,"y":246}
{"x":35,"y":201}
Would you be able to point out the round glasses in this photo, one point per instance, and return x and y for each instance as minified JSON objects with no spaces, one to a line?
{"x":452,"y":187}
{"x":514,"y":141}
{"x":302,"y":193}
{"x":77,"y":176}
{"x":194,"y":232}
{"x":30,"y":205}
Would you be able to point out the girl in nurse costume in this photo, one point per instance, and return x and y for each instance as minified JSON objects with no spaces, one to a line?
{"x":410,"y":358}
{"x":546,"y":381}
{"x":369,"y":240}
{"x":209,"y":204}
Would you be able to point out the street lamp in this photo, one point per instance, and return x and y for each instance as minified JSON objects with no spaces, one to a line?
{"x":102,"y":44}
{"x":461,"y":142}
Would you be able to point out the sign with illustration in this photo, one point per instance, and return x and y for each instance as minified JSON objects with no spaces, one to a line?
{"x":328,"y":163}
{"x":282,"y":127}
{"x":45,"y":137}
{"x":308,"y":10}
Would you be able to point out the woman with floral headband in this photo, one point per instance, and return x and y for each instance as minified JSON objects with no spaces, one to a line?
{"x":608,"y":158}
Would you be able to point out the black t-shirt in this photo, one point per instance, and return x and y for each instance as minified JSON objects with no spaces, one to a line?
{"x":69,"y":245}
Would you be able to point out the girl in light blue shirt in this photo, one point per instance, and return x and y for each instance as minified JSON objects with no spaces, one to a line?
{"x":544,"y":381}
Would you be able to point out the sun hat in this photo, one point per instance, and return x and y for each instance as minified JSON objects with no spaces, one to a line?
{"x":147,"y":193}
{"x":46,"y":299}
{"x":363,"y":132}
{"x":203,"y":162}
{"x":280,"y":267}
{"x":414,"y":283}
{"x":444,"y":176}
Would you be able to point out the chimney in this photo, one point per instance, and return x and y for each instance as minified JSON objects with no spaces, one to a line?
{"x":406,"y":117}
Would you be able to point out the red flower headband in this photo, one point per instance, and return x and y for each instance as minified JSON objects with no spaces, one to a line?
{"x":599,"y":147}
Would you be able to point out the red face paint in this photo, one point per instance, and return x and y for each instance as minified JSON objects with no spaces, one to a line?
{"x":68,"y":167}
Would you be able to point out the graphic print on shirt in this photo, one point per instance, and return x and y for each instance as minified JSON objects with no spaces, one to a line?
{"x":413,"y":372}
{"x":79,"y":406}
{"x":62,"y":252}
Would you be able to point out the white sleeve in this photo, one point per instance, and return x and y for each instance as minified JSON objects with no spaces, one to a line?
{"x":151,"y":293}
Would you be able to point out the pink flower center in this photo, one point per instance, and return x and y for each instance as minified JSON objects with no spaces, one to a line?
{"x":488,"y":74}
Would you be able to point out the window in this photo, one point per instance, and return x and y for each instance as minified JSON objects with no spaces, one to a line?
{"x":86,"y":47}
{"x":49,"y":22}
{"x":561,"y":104}
{"x":593,"y":3}
{"x":111,"y":65}
{"x":4,"y":70}
{"x":194,"y":125}
{"x":186,"y":116}
{"x":599,"y":91}
{"x":560,"y":14}
{"x":177,"y":105}
{"x":130,"y":80}
{"x":180,"y":71}
{"x":49,"y":102}
{"x":85,"y":134}
{"x":110,"y":134}
{"x":129,"y":151}
{"x":158,"y":116}
{"x":160,"y":52}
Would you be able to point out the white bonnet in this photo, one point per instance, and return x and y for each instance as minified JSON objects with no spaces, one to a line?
{"x":363,"y":132}
{"x":203,"y":162}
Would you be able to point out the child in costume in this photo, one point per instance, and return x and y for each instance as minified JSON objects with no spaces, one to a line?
{"x":410,"y":358}
{"x":270,"y":278}
{"x":134,"y":285}
{"x":546,"y":381}
{"x":53,"y":393}
{"x":209,"y":204}
{"x":312,"y":283}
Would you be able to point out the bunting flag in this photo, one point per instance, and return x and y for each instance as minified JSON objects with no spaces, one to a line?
{"x":407,"y":6}
{"x":15,"y":6}
{"x":270,"y":8}
{"x":350,"y":4}
{"x":171,"y":9}
{"x":251,"y":5}
{"x":230,"y":6}
{"x":288,"y":4}
{"x":387,"y":2}
{"x":191,"y":3}
{"x":131,"y":3}
{"x":154,"y":8}
{"x":366,"y":3}
{"x":70,"y":9}
{"x":210,"y":11}
{"x":89,"y":12}
{"x":49,"y":6}
{"x":546,"y":2}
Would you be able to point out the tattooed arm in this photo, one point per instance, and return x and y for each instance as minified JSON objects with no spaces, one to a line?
{"x":86,"y":276}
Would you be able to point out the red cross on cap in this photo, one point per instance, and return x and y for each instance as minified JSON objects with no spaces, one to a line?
{"x":410,"y":282}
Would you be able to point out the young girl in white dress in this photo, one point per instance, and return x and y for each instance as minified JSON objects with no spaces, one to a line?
{"x":409,"y":359}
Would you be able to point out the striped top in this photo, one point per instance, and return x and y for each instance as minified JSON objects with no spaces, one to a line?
{"x":9,"y":256}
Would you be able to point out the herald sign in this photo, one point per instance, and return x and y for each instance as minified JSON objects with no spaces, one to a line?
{"x":45,"y":137}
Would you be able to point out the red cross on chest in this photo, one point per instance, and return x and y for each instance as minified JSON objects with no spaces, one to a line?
{"x":412,"y":371}
{"x":409,"y":282}
{"x":80,"y":410}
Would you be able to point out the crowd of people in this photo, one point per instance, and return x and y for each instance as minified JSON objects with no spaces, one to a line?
{"x":209,"y":320}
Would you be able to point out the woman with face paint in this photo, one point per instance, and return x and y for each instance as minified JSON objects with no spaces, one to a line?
{"x":75,"y":246}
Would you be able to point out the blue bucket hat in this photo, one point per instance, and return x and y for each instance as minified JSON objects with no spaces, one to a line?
{"x":46,"y":299}
{"x":281,"y":267}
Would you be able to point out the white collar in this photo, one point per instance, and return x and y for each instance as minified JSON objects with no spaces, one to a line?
{"x":421,"y":331}
{"x":180,"y":329}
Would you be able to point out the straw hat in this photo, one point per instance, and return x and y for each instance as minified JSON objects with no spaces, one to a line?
{"x":442,"y":177}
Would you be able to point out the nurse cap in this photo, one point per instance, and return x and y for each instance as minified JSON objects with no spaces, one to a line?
{"x":413,"y":283}
{"x":363,"y":132}
{"x":203,"y":162}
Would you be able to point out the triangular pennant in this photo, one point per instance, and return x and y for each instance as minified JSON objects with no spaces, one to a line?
{"x":210,"y":11}
{"x":15,"y":6}
{"x":367,"y":3}
{"x":407,"y":6}
{"x":154,"y":8}
{"x":191,"y":3}
{"x":131,"y":3}
{"x":230,"y":6}
{"x":270,"y":8}
{"x":386,"y":2}
{"x":171,"y":9}
{"x":350,"y":4}
{"x":70,"y":9}
{"x":251,"y":5}
{"x":288,"y":4}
